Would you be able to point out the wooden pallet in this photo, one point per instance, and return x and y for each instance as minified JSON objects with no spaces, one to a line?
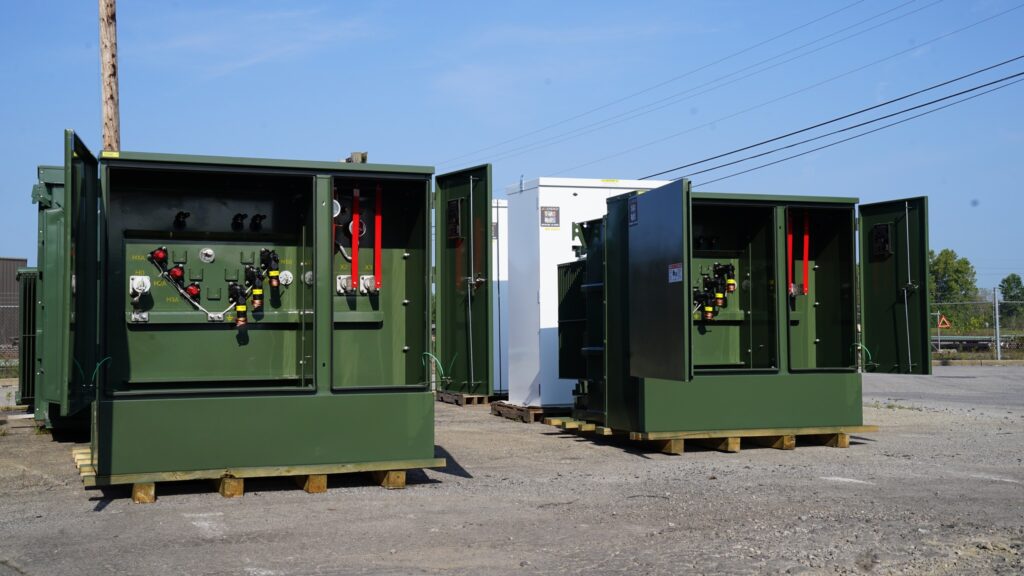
{"x":462,"y":399}
{"x":230,"y":482}
{"x":528,"y":414}
{"x":724,"y":440}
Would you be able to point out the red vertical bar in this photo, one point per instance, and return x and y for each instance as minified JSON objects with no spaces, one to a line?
{"x":807,"y":252}
{"x":355,"y":239}
{"x":377,"y":271}
{"x":789,"y":252}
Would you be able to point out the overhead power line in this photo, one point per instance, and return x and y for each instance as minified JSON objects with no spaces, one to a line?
{"x":838,"y":119}
{"x":655,"y":86}
{"x":709,"y":86}
{"x":790,"y":94}
{"x":848,"y":128}
{"x":855,"y":136}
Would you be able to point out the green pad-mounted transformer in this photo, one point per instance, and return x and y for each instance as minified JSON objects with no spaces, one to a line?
{"x":227,"y":316}
{"x":690,"y":312}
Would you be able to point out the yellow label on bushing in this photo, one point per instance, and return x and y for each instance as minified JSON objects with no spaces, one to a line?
{"x":257,"y":291}
{"x":275,"y":272}
{"x":719,"y":295}
{"x":239,"y":308}
{"x":709,"y":309}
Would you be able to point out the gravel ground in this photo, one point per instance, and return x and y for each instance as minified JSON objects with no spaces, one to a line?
{"x":940,"y":490}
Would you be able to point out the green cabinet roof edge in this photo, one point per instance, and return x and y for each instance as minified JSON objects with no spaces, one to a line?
{"x":111,"y":158}
{"x":50,"y":174}
{"x":775,"y":198}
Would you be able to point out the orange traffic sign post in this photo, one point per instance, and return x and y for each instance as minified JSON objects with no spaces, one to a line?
{"x":942,"y":323}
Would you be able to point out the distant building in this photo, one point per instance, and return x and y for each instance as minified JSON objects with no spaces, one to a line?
{"x":9,"y":332}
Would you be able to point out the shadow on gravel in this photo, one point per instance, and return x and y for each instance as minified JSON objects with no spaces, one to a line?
{"x":417,"y":477}
{"x":108,"y":494}
{"x":637,"y":449}
{"x":71,"y":435}
{"x":253,"y":486}
{"x":632,"y":448}
{"x":453,"y":467}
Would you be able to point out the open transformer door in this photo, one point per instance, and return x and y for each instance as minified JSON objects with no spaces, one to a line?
{"x":659,"y":283}
{"x":462,"y":213}
{"x":894,"y":286}
{"x":70,"y":365}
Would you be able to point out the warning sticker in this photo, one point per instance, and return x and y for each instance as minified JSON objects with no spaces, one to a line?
{"x":675,"y":272}
{"x":549,"y":217}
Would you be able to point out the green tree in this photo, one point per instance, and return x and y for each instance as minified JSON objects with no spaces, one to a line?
{"x":1011,"y":288}
{"x":953,"y":279}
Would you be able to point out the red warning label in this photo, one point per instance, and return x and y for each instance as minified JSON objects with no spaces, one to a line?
{"x":675,"y":272}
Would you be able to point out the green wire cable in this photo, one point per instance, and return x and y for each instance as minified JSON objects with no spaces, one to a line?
{"x":79,"y":366}
{"x":97,"y":369}
{"x":440,"y":367}
{"x":865,"y":349}
{"x":452,"y":365}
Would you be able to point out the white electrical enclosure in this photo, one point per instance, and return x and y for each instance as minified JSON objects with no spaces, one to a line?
{"x":499,"y":295}
{"x":541,"y":213}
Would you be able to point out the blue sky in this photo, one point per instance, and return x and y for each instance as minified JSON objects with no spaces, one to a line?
{"x":441,"y":83}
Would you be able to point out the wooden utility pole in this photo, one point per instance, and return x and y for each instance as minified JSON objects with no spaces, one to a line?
{"x":108,"y":59}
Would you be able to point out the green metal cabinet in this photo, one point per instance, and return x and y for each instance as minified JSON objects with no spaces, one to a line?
{"x":733,"y":312}
{"x":223,"y":314}
{"x":28,"y":283}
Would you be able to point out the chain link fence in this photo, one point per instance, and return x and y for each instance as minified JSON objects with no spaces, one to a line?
{"x":979,"y":330}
